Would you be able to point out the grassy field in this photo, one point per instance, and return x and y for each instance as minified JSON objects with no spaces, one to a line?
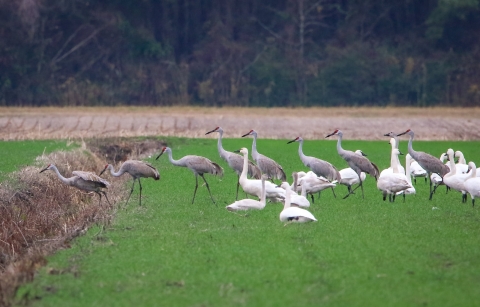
{"x":361,"y":252}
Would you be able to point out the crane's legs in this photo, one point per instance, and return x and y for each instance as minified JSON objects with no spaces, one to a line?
{"x":208,"y":188}
{"x":333,"y":191}
{"x":431,"y":191}
{"x":100,"y":195}
{"x":350,"y":191}
{"x":196,"y":186}
{"x":131,"y":191}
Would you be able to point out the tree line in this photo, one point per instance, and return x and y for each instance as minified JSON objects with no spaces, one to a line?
{"x":240,"y":52}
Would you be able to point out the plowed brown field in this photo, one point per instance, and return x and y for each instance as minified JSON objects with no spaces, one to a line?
{"x":310,"y":123}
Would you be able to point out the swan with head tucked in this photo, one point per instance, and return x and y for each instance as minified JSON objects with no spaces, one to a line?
{"x":250,"y":204}
{"x":294,"y":214}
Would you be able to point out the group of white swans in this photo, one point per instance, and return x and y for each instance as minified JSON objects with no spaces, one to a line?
{"x":322,"y":175}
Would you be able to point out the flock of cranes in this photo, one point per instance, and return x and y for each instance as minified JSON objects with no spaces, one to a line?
{"x":256,"y":179}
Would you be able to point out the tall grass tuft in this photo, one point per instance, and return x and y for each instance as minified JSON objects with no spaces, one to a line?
{"x":39,"y":214}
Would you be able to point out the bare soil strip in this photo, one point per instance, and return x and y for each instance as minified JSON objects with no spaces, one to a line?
{"x":311,"y":123}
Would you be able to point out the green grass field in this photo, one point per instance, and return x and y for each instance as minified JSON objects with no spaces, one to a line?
{"x":361,"y":252}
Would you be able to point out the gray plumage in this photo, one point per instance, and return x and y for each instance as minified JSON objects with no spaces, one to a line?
{"x":318,"y":166}
{"x":84,"y":181}
{"x":356,"y":162}
{"x":198,"y":165}
{"x":137,"y":169}
{"x":426,"y":161}
{"x":235,"y":161}
{"x":266,"y":165}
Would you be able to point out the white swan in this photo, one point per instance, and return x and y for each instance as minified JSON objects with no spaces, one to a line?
{"x":294,"y":214}
{"x":453,"y":178}
{"x":411,"y":189}
{"x":314,"y":184}
{"x":462,"y":167}
{"x":391,"y":183}
{"x":254,"y":186}
{"x":472,"y":184}
{"x":399,"y":165}
{"x":247,"y":204}
{"x":298,"y":200}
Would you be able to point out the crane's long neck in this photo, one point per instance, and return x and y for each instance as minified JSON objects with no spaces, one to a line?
{"x":300,"y":152}
{"x":340,"y":150}
{"x":254,"y":147}
{"x":263,"y":196}
{"x":221,"y":151}
{"x":63,"y":179}
{"x":412,"y":152}
{"x":172,"y":160}
{"x":113,"y":173}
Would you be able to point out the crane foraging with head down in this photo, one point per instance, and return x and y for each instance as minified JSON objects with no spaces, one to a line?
{"x":198,"y":165}
{"x":137,"y":169}
{"x":84,"y":181}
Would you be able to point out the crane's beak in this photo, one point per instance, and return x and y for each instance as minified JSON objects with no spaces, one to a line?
{"x":330,"y":135}
{"x":103,"y":171}
{"x":246,"y":134}
{"x":44,"y":169}
{"x":292,"y":141}
{"x":160,"y":155}
{"x":211,"y":131}
{"x":402,"y":133}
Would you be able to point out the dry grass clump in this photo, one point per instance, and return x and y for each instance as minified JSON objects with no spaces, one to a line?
{"x":40,"y":214}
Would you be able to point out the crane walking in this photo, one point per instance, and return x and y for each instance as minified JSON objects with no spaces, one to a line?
{"x":357,"y":162}
{"x":320,"y":167}
{"x":198,"y":165}
{"x":426,"y":161}
{"x":137,"y":169}
{"x":235,"y":161}
{"x":84,"y":181}
{"x":264,"y":163}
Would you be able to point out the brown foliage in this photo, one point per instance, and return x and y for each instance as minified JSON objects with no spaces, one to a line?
{"x":39,"y":214}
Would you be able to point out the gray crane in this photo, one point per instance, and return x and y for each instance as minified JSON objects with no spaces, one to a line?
{"x":426,"y":161}
{"x":235,"y":161}
{"x":137,"y":169}
{"x":84,"y":181}
{"x":268,"y":166}
{"x":198,"y":165}
{"x":318,"y":166}
{"x":356,"y":162}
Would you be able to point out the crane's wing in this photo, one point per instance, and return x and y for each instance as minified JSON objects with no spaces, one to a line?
{"x":271,"y":168}
{"x":88,"y":176}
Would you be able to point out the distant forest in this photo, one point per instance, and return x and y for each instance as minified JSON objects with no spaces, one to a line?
{"x":240,"y":52}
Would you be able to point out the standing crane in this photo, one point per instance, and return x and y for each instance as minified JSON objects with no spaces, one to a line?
{"x":320,"y":167}
{"x":357,"y":162}
{"x":265,"y":164}
{"x":137,"y":169}
{"x":426,"y":161}
{"x":84,"y":181}
{"x":235,"y":161}
{"x":349,"y":176}
{"x":198,"y":165}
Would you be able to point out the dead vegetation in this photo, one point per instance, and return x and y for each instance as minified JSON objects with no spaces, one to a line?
{"x":39,"y":214}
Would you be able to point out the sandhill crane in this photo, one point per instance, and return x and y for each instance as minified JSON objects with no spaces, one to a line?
{"x":426,"y":161}
{"x":394,"y":182}
{"x":356,"y":162}
{"x":247,"y":204}
{"x":318,"y":166}
{"x":198,"y":165}
{"x":137,"y":169}
{"x":349,"y":176}
{"x":472,"y":184}
{"x":84,"y":181}
{"x":254,"y":186}
{"x":265,"y":164}
{"x":235,"y":161}
{"x":435,"y":178}
{"x":294,"y":214}
{"x":313,"y":184}
{"x":454,"y":179}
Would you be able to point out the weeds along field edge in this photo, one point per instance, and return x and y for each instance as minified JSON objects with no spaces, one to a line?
{"x":360,"y":252}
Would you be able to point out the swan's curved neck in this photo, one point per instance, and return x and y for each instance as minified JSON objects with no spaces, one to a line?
{"x":287,"y":197}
